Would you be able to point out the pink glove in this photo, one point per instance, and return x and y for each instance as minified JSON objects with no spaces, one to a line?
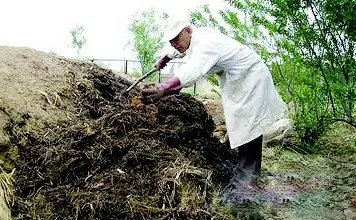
{"x":162,"y":62}
{"x":171,"y":86}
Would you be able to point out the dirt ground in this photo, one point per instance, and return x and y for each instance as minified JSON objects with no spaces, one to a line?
{"x":215,"y":109}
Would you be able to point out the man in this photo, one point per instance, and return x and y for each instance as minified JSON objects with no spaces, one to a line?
{"x":250,"y":101}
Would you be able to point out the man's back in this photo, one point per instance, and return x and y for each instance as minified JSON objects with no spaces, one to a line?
{"x":231,"y":52}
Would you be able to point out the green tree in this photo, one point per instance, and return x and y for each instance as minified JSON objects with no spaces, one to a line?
{"x":309,"y":46}
{"x":147,"y":34}
{"x":316,"y":38}
{"x":78,"y":38}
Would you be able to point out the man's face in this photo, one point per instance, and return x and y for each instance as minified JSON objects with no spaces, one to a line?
{"x":182,"y":41}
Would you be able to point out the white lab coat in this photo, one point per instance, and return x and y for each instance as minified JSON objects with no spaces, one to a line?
{"x":250,"y":101}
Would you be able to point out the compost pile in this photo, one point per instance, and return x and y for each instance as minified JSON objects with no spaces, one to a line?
{"x":115,"y":157}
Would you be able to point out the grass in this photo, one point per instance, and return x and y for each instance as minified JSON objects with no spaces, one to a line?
{"x":324,"y":182}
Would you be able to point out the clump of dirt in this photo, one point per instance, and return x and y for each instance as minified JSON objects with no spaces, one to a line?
{"x":112,"y":156}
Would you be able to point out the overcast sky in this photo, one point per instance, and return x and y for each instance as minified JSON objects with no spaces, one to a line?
{"x":45,"y":24}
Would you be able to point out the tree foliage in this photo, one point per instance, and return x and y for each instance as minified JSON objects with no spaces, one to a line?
{"x":78,"y":38}
{"x":309,"y":46}
{"x":147,"y":34}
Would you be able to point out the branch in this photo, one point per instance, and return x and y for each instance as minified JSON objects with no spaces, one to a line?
{"x":311,"y":49}
{"x":350,"y":122}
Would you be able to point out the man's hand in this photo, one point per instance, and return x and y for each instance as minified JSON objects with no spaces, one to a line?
{"x":154,"y":92}
{"x":162,"y":62}
{"x":152,"y":95}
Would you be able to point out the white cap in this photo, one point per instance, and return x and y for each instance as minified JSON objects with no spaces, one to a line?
{"x":173,"y":28}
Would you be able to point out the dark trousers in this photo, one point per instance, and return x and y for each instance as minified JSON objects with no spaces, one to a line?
{"x":249,"y":162}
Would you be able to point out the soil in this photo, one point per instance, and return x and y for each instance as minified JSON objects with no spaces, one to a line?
{"x":215,"y":109}
{"x":82,"y":149}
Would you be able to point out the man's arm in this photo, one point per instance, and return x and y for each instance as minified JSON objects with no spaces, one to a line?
{"x":163,"y":60}
{"x":170,"y":86}
{"x":204,"y":56}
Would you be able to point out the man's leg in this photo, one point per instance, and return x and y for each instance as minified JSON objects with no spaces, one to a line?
{"x":249,"y":165}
